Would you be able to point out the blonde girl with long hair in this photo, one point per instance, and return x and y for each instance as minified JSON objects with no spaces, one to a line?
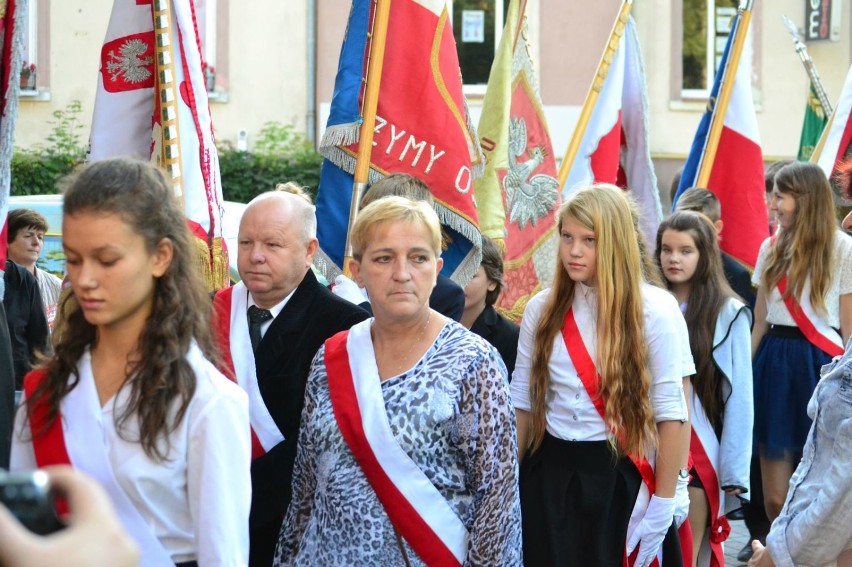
{"x":811,"y":259}
{"x":598,"y":396}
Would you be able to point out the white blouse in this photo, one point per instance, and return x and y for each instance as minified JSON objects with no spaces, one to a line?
{"x":197,"y":501}
{"x":841,"y":284}
{"x":571,"y":415}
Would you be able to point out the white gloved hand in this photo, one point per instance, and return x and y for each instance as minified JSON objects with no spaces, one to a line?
{"x":681,"y":508}
{"x":349,"y":290}
{"x":651,"y":531}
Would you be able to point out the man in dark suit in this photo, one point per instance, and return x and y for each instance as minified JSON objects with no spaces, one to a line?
{"x":281,"y":313}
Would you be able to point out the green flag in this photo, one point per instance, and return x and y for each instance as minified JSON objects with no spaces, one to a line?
{"x":812,"y":127}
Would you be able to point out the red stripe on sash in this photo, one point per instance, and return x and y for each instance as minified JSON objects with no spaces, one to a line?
{"x":588,"y":373}
{"x":719,"y":527}
{"x":49,"y":447}
{"x":806,"y":325}
{"x":222,"y":329}
{"x":404,"y":517}
{"x":222,"y":336}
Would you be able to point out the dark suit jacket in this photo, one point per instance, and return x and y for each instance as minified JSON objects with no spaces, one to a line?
{"x":501,"y":333}
{"x":283,"y":359}
{"x":738,"y":278}
{"x":447,"y":298}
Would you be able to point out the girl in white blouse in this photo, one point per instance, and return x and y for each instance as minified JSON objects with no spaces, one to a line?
{"x":598,"y":395}
{"x":804,"y":297}
{"x":130,"y":396}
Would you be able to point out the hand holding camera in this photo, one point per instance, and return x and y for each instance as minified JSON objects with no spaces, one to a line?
{"x":92,"y":536}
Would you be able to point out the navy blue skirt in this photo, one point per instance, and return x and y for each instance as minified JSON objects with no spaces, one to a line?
{"x":786,"y":372}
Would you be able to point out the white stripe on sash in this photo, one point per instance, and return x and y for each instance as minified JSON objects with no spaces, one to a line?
{"x":820,"y":325}
{"x":402,"y":471}
{"x":710,"y":444}
{"x":246,"y":374}
{"x":84,"y":440}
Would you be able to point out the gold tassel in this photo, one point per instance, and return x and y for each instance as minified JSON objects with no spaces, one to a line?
{"x":212,"y":265}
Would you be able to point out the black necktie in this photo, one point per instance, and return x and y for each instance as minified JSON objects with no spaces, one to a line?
{"x":256,"y":318}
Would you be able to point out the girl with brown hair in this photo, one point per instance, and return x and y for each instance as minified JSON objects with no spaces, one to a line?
{"x":721,"y":404}
{"x":804,"y":279}
{"x":130,"y":395}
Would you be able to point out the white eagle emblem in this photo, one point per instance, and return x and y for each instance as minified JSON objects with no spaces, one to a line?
{"x":527,"y":198}
{"x":129,"y":62}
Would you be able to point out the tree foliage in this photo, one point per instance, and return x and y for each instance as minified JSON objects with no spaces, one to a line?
{"x":281,"y":154}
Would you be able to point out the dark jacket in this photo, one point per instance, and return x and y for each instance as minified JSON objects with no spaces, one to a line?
{"x":282,"y":360}
{"x":28,"y":330}
{"x":7,"y":391}
{"x":738,"y":278}
{"x":501,"y":333}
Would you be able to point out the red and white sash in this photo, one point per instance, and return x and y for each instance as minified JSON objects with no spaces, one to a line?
{"x":76,"y":438}
{"x":588,"y":373}
{"x":815,"y":329}
{"x":232,"y":336}
{"x":418,"y":511}
{"x":704,"y":450}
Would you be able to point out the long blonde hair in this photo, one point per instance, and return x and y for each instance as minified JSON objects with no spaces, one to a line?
{"x":622,"y":353}
{"x":802,"y":249}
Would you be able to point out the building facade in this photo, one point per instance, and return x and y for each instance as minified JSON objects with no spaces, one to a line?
{"x":276,"y":61}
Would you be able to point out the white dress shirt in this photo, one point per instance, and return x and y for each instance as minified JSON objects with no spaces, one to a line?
{"x":571,"y":415}
{"x":197,"y":501}
{"x":275,"y":310}
{"x":841,"y":284}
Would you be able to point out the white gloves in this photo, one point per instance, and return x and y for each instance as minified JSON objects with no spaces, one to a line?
{"x":651,"y":531}
{"x":681,"y":507}
{"x":349,"y":290}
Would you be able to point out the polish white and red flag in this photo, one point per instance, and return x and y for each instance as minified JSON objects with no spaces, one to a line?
{"x":736,"y":177}
{"x":837,"y":147}
{"x":615,"y":147}
{"x":127,"y":119}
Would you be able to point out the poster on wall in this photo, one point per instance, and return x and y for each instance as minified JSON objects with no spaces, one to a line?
{"x":822,"y":20}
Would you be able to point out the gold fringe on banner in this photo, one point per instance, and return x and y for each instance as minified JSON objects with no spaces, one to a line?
{"x":212,"y":264}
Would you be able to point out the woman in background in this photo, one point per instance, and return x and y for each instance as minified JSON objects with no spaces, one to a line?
{"x":479,"y":315}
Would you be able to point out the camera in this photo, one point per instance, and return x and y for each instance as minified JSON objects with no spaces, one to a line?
{"x":29,"y":498}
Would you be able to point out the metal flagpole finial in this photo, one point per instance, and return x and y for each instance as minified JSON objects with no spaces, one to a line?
{"x":794,"y":31}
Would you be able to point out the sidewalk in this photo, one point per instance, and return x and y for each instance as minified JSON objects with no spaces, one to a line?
{"x":736,"y":541}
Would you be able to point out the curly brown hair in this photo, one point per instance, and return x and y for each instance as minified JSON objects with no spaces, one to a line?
{"x":160,"y":379}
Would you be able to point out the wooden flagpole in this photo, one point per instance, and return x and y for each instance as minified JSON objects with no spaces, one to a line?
{"x":720,"y":106}
{"x":167,"y":92}
{"x":376,"y":54}
{"x":594,"y":90}
{"x":521,"y":11}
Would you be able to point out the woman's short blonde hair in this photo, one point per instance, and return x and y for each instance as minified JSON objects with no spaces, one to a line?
{"x":394,"y":209}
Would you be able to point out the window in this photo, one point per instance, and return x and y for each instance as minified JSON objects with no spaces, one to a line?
{"x":31,"y":64}
{"x":706,"y":26}
{"x":477,"y":27}
{"x":211,"y":17}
